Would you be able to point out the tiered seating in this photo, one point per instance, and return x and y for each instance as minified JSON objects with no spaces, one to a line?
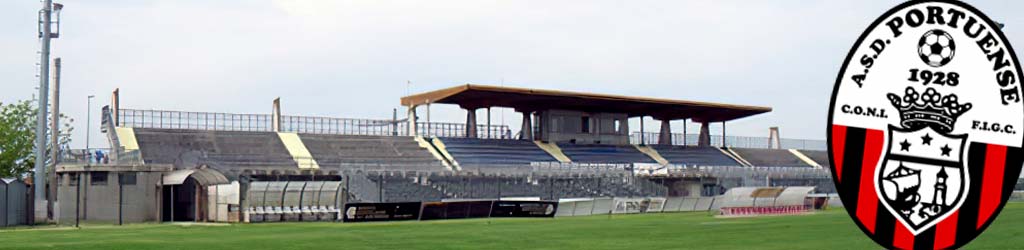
{"x":492,"y":187}
{"x":821,"y":185}
{"x":488,"y":187}
{"x":770,"y":157}
{"x":604,"y":154}
{"x":694,"y":156}
{"x":820,"y":157}
{"x":489,"y":151}
{"x":335,"y":150}
{"x":402,"y":189}
{"x":225,"y":149}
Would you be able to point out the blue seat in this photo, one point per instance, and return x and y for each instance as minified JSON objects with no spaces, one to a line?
{"x":604,"y":154}
{"x":469,"y":151}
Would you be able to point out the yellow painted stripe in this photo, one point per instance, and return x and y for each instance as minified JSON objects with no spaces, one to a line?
{"x":127,"y":138}
{"x":735,"y":156}
{"x":651,"y":152}
{"x":805,"y":158}
{"x":298,"y":150}
{"x":439,"y":152}
{"x":554,"y":151}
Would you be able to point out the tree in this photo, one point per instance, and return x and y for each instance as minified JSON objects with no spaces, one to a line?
{"x":17,"y":138}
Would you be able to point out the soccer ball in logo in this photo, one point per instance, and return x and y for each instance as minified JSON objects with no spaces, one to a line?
{"x":936,"y":48}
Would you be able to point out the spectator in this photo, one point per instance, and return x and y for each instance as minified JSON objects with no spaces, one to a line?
{"x":99,"y":156}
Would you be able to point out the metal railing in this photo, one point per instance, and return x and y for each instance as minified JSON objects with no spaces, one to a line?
{"x":80,"y":156}
{"x":730,"y":141}
{"x":444,"y":129}
{"x":342,"y":126}
{"x":164,"y":119}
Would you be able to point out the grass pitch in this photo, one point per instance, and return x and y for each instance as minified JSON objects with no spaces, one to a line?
{"x":824,"y":230}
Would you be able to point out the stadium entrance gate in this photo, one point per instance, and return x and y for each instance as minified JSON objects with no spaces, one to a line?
{"x":184,"y":196}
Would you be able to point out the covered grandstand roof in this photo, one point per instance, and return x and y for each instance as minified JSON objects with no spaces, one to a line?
{"x":482,"y":96}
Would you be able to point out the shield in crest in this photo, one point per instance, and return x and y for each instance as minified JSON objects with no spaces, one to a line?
{"x":922,"y":178}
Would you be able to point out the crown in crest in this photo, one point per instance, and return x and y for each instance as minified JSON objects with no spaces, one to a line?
{"x":928,"y":109}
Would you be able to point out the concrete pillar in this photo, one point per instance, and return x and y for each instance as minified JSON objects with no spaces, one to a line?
{"x":723,"y":135}
{"x":665,"y":135}
{"x":115,"y":107}
{"x":526,"y":131}
{"x":489,"y":130}
{"x":538,"y":121}
{"x":684,"y":132}
{"x":471,"y":123}
{"x":429,"y":131}
{"x":642,"y":133}
{"x":704,"y":139}
{"x":773,"y":138}
{"x":276,"y":120}
{"x":54,"y":136}
{"x":411,"y":120}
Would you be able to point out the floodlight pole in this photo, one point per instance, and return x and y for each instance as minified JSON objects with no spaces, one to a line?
{"x":39,"y":176}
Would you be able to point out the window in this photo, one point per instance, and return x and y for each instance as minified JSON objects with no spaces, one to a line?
{"x":73,"y":179}
{"x":585,"y":124}
{"x":127,"y":178}
{"x":618,"y":126}
{"x":98,"y":178}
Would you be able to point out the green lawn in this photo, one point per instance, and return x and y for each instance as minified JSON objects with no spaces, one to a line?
{"x":824,"y":230}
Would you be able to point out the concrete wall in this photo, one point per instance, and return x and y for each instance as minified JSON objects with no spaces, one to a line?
{"x":98,"y":202}
{"x":565,"y":126}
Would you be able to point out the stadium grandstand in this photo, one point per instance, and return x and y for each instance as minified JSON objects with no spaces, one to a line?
{"x":206,"y":166}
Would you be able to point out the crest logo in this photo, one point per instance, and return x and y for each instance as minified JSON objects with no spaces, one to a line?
{"x":924,"y":137}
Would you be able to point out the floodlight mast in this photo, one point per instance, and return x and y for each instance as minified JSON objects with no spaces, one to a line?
{"x":39,"y":175}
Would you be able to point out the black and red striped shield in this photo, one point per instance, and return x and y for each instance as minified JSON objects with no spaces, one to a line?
{"x":925,"y":126}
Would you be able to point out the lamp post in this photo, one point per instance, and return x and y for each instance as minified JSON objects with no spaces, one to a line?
{"x":88,"y":123}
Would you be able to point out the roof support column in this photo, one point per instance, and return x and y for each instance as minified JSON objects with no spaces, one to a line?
{"x":526,"y":131}
{"x":723,"y":135}
{"x":471,"y":123}
{"x":642,"y":135}
{"x":665,"y":135}
{"x":489,"y":130}
{"x":704,"y":139}
{"x":276,"y":119}
{"x":429,"y":131}
{"x":684,"y":131}
{"x":410,"y":120}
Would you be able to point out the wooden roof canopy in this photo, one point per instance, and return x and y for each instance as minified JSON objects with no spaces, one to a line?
{"x":471,"y":96}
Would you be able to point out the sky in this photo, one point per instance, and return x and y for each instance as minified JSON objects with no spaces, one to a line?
{"x":346,"y":58}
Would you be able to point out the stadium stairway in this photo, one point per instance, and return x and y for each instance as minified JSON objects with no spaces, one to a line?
{"x":818,"y":156}
{"x":651,"y":152}
{"x":804,"y":158}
